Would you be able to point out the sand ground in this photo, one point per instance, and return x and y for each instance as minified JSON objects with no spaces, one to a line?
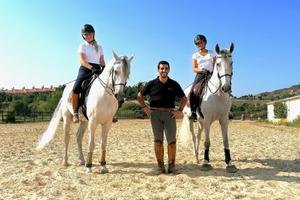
{"x":267,"y":156}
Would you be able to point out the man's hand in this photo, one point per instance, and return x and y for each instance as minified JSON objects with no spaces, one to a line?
{"x":147,"y":111}
{"x":177,"y":114}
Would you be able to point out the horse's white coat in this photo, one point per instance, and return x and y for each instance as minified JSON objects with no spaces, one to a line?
{"x":215,"y":105}
{"x":101,"y":107}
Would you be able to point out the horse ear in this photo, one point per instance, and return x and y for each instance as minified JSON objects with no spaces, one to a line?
{"x":115,"y":55}
{"x":231,"y":48}
{"x":217,"y":49}
{"x":130,"y":58}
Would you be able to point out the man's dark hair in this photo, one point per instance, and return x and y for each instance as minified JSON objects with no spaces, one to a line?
{"x":163,"y":62}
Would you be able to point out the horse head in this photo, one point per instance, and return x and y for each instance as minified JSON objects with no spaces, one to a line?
{"x":120,"y":72}
{"x":224,"y":67}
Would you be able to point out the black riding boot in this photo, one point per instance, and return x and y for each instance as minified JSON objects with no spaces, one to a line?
{"x":193,"y":105}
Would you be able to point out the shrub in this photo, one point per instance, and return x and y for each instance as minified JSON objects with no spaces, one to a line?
{"x":296,"y":122}
{"x":10,"y":117}
{"x":131,"y":110}
{"x":280,"y":110}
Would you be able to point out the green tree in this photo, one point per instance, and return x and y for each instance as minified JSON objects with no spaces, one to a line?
{"x":280,"y":110}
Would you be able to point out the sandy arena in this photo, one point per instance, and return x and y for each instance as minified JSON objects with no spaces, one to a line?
{"x":267,"y":156}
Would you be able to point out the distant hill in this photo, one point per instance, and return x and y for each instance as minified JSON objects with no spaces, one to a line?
{"x":274,"y":95}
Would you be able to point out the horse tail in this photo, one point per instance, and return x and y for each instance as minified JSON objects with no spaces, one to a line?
{"x":48,"y":135}
{"x":186,"y":130}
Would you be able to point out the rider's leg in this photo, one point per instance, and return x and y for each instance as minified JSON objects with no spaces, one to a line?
{"x":74,"y":99}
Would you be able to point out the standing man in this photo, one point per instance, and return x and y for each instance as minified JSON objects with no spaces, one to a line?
{"x":162,"y":92}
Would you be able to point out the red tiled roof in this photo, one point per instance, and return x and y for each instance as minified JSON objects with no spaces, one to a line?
{"x":28,"y":91}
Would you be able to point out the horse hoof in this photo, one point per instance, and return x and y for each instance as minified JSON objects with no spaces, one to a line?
{"x":88,"y":170}
{"x":103,"y":170}
{"x":64,"y":163}
{"x":231,"y":169}
{"x":206,"y":167}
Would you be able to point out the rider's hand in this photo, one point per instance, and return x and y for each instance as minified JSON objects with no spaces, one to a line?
{"x":96,"y":70}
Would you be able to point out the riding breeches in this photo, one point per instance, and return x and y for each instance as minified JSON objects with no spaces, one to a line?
{"x":162,"y":121}
{"x":83,"y":74}
{"x":196,"y":90}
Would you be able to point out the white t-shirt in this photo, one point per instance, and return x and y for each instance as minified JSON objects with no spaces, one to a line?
{"x":205,"y":62}
{"x":90,"y":52}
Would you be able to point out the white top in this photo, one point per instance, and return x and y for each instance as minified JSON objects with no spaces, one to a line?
{"x":90,"y":52}
{"x":205,"y":62}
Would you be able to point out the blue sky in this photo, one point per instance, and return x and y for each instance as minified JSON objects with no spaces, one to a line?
{"x":39,"y":39}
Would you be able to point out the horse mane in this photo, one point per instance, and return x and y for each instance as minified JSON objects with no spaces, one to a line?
{"x":126,"y":67}
{"x":125,"y":64}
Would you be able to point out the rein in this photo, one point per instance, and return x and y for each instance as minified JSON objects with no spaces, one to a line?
{"x":111,"y":90}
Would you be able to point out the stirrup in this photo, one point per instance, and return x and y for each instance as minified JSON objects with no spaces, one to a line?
{"x":75,"y":118}
{"x":193,"y":116}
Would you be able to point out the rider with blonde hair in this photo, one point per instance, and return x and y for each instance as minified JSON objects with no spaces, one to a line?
{"x":202,"y":64}
{"x":91,"y":59}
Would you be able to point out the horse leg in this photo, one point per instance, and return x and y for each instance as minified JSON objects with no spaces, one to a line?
{"x":102,"y":152}
{"x":66,"y":127}
{"x":224,"y":127}
{"x":198,"y":139}
{"x":79,"y":135}
{"x":206,"y":166}
{"x":91,"y":145}
{"x":194,"y":142}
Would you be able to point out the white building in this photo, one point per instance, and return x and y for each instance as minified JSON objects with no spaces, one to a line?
{"x":293,"y":108}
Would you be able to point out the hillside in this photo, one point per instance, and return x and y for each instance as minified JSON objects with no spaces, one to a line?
{"x":274,"y":95}
{"x":255,"y":106}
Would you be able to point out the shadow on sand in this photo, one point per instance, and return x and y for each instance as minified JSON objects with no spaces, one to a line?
{"x":270,"y":171}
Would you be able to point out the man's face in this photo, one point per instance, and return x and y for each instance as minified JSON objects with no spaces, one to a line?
{"x":163,"y":70}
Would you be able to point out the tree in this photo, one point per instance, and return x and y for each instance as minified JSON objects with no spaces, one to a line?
{"x":280,"y":110}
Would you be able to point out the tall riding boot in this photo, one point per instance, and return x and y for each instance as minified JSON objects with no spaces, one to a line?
{"x":171,"y":156}
{"x":199,"y":108}
{"x":193,"y":105}
{"x":75,"y":107}
{"x":159,"y":153}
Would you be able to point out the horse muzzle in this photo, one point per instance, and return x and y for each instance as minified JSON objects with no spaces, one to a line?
{"x":226,"y":88}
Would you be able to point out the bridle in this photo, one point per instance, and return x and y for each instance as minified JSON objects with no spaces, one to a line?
{"x":230,"y":75}
{"x":111,"y":90}
{"x":221,"y":76}
{"x":113,"y":80}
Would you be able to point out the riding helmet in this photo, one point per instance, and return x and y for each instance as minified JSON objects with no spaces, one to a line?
{"x":198,"y":38}
{"x":87,"y":28}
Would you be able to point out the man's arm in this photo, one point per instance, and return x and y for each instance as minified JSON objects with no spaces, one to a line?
{"x":141,"y":100}
{"x":182,"y":103}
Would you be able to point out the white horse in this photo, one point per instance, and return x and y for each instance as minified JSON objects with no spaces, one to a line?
{"x":101,"y":106}
{"x":215,"y":105}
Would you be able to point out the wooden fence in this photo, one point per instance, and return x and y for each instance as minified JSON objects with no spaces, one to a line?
{"x":13,"y":117}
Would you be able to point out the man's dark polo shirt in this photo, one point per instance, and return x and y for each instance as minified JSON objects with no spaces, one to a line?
{"x":162,"y":95}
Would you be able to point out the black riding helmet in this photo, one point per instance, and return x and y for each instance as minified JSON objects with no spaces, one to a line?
{"x":198,"y":38}
{"x":87,"y":28}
